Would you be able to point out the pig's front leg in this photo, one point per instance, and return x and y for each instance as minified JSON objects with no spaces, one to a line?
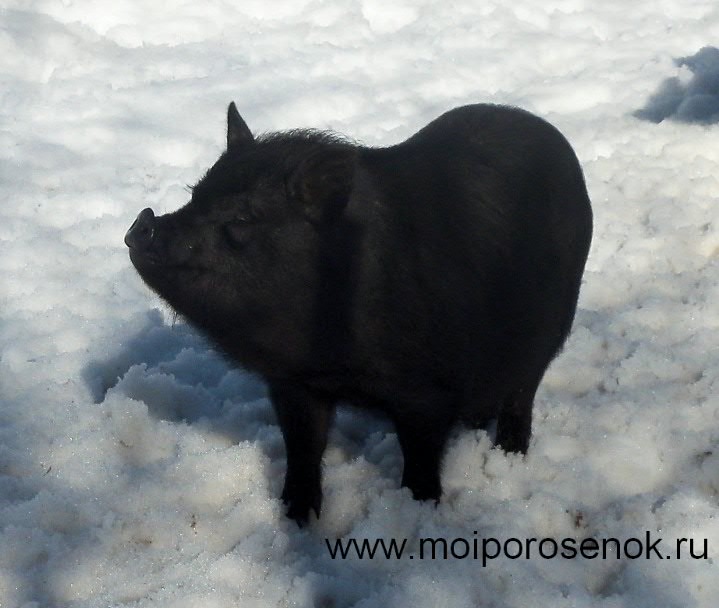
{"x":304,"y":419}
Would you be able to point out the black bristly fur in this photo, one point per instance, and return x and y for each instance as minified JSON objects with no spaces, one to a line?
{"x":434,"y":280}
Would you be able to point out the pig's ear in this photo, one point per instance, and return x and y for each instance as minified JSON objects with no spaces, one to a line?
{"x":238,"y":133}
{"x":322,"y":183}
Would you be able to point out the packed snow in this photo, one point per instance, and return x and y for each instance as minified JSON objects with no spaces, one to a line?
{"x":138,"y":468}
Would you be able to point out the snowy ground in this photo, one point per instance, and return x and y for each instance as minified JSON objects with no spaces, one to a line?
{"x":137,"y":468}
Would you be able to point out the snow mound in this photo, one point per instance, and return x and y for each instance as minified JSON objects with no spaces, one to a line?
{"x":140,"y":469}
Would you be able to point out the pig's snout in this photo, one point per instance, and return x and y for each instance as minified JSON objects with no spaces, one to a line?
{"x":142,"y":231}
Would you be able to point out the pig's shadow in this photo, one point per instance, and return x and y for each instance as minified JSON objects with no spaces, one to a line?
{"x":174,"y":371}
{"x":692,"y":101}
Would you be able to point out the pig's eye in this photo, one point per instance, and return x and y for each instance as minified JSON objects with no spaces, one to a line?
{"x":238,"y":231}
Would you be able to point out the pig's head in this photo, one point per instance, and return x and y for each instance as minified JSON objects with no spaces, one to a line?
{"x":260,"y":249}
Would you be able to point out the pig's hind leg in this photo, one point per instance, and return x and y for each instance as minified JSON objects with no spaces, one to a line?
{"x":422,"y":435}
{"x":514,"y":423}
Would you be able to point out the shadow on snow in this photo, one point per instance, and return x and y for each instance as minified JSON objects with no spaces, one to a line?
{"x":695,"y":100}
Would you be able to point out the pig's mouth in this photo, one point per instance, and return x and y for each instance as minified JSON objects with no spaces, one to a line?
{"x":161,"y":271}
{"x":162,"y":275}
{"x":154,"y":262}
{"x":145,"y":258}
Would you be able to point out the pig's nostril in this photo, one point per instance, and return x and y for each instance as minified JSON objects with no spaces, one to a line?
{"x":142,"y":231}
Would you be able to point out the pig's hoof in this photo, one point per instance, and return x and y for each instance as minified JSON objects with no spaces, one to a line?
{"x":513,"y":442}
{"x":299,"y":504}
{"x":424,"y":490}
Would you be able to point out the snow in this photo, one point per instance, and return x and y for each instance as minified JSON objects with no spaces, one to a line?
{"x":138,"y":468}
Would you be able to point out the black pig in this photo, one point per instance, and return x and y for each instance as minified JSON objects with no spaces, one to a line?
{"x":434,"y":280}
